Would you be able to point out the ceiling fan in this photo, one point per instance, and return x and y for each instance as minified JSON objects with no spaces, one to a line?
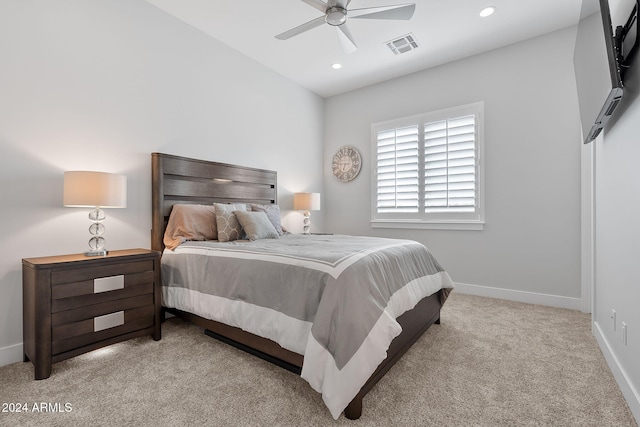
{"x":336,"y":14}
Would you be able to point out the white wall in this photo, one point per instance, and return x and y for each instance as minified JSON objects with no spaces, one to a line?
{"x":530,"y":247}
{"x":99,"y":85}
{"x":617,"y":240}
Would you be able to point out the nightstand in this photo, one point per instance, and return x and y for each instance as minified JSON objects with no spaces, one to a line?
{"x":73,"y":304}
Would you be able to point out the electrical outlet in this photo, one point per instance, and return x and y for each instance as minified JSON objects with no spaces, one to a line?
{"x":624,"y":333}
{"x":613,"y":319}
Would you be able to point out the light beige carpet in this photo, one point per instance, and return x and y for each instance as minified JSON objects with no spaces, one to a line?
{"x":490,"y":363}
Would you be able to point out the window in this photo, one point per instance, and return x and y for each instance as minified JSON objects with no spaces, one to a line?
{"x":428,"y":172}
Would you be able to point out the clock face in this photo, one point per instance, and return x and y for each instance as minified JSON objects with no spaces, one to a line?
{"x":346,"y":163}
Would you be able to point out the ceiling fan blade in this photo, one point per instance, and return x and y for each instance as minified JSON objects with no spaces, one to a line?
{"x":318,"y":4}
{"x":301,"y":28}
{"x":400,"y":11}
{"x":346,"y":39}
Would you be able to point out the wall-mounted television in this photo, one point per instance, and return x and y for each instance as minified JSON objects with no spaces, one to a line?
{"x":628,"y":39}
{"x":597,"y":68}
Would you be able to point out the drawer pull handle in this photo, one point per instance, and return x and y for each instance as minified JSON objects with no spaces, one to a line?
{"x":104,"y":284}
{"x":108,"y":321}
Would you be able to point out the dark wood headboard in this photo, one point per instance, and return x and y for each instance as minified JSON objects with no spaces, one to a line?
{"x":182,"y":180}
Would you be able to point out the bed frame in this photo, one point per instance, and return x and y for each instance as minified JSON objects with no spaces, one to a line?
{"x":182,"y":180}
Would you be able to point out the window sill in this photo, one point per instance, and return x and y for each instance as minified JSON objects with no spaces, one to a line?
{"x":424,"y":225}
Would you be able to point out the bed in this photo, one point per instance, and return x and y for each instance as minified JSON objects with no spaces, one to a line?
{"x":228,"y":286}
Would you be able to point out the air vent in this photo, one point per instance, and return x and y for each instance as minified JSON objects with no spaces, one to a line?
{"x":403,"y":44}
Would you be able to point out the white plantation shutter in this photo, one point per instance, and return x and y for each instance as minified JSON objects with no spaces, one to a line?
{"x":398,"y":185}
{"x":450,"y":165}
{"x":427,"y":172}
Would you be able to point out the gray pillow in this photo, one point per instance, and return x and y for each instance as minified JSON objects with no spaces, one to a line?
{"x":273,"y":213}
{"x":256,"y":225}
{"x":227,"y":223}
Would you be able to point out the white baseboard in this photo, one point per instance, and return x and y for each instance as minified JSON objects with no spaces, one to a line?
{"x":520,"y":296}
{"x":11,"y":354}
{"x":630,"y":394}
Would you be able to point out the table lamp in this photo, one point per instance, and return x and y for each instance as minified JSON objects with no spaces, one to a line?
{"x":306,"y":202}
{"x":96,"y":190}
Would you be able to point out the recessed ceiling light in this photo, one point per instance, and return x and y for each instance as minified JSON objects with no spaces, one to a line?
{"x":487,"y":11}
{"x":336,"y":66}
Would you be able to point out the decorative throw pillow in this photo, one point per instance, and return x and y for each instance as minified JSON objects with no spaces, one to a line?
{"x":190,"y":222}
{"x":229,"y":228}
{"x":256,"y":225}
{"x":273,"y":213}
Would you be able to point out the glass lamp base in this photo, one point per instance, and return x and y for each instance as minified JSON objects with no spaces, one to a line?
{"x":96,"y":243}
{"x":306,"y":223}
{"x":101,"y":252}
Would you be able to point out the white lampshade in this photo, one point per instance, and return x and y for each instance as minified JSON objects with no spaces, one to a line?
{"x":306,"y":201}
{"x":95,"y":189}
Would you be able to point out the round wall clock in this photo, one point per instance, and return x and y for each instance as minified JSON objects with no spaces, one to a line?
{"x":346,"y":163}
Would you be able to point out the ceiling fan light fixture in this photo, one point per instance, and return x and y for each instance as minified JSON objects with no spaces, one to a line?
{"x":487,"y":11}
{"x":336,"y":16}
{"x":336,"y":66}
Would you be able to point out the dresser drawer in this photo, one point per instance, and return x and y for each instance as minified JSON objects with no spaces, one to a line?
{"x":81,"y":333}
{"x":89,"y":312}
{"x":81,"y":294}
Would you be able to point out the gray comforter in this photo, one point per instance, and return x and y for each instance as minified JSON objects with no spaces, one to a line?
{"x":332,"y":298}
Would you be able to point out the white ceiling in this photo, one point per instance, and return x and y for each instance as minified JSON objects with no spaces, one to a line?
{"x":445,"y":29}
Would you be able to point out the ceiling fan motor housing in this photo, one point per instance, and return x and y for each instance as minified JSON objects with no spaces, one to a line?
{"x":336,"y":16}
